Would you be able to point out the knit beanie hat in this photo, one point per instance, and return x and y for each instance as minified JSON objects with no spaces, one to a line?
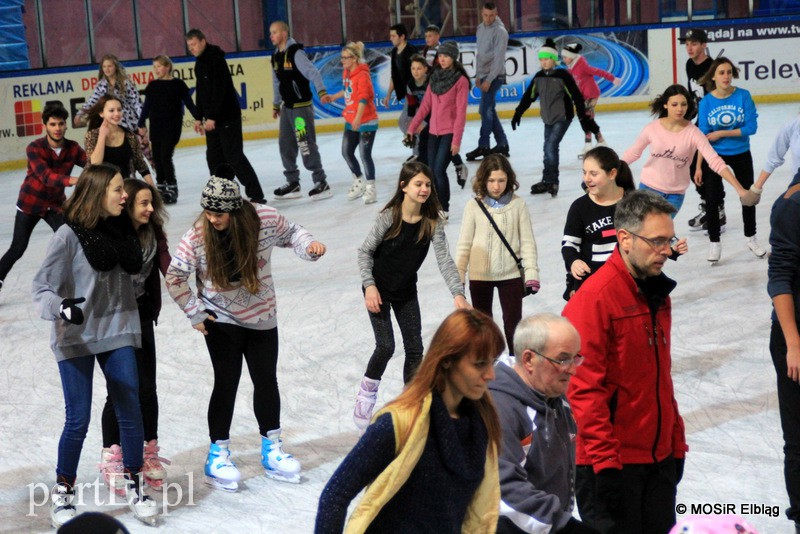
{"x":449,"y":48}
{"x":571,"y":50}
{"x":548,"y":51}
{"x":221,"y":195}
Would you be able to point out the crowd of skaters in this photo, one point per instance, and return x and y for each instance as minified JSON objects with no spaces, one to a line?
{"x":109,"y":239}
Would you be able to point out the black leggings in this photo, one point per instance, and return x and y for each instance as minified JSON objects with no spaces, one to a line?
{"x":226,"y":345}
{"x":148,"y":398}
{"x":408,"y":319}
{"x":742,"y":165}
{"x":23,"y":228}
{"x":163,"y":140}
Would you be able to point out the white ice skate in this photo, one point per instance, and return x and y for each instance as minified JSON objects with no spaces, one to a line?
{"x":357,"y":189}
{"x":221,"y":472}
{"x":365,"y":402}
{"x":586,"y":148}
{"x":153,"y":470}
{"x":144,"y":508}
{"x":370,"y":195}
{"x":276,"y":463}
{"x":112,"y":470}
{"x":61,"y":507}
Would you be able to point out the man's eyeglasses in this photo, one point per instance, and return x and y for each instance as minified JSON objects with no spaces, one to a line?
{"x":658,"y":243}
{"x":564,"y":364}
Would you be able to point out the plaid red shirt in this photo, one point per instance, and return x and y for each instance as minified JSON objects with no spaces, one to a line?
{"x":48,"y":175}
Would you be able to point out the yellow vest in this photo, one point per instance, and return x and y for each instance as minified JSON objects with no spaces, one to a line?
{"x":483,"y":510}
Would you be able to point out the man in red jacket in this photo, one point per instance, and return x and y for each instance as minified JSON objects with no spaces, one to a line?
{"x":631,"y":442}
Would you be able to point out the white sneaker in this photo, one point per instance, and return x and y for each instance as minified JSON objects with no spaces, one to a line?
{"x":715,"y":252}
{"x":112,"y":469}
{"x":755,"y":247}
{"x":277,"y":464}
{"x":370,"y":195}
{"x":61,"y":507}
{"x":357,"y":189}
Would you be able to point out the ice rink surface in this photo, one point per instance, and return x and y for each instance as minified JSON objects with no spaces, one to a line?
{"x":724,"y":379}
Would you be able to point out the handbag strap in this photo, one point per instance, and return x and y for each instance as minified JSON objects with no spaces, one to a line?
{"x":499,"y":233}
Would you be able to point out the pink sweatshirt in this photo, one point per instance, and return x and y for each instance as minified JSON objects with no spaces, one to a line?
{"x":448,"y":111}
{"x":584,"y":76}
{"x":667,"y":169}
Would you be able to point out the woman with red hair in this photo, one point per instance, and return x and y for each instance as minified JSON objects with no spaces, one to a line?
{"x":429,"y":459}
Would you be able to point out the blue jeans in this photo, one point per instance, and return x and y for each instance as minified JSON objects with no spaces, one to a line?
{"x":439,"y":156}
{"x":364,"y":142}
{"x":119,"y":368}
{"x":490,"y":122}
{"x":553,"y":134}
{"x":676,"y":199}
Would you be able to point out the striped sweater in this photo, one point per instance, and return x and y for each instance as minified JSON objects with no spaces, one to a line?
{"x":234,"y":305}
{"x":589,"y":235}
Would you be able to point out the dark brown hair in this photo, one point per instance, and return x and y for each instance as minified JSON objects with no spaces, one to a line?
{"x":93,"y":113}
{"x":707,"y":79}
{"x":244,"y":229}
{"x":430,"y":209}
{"x":147,"y":232}
{"x":657,"y":104}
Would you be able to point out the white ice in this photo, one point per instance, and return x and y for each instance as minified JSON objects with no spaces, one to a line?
{"x":724,"y":379}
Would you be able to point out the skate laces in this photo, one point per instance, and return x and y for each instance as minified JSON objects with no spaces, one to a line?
{"x":222,"y":458}
{"x":111,"y":464}
{"x":151,"y":458}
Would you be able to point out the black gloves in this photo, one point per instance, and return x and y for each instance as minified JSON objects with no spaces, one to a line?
{"x":679,"y":463}
{"x":517,"y":118}
{"x":209,"y":321}
{"x":574,"y":526}
{"x":70,"y":312}
{"x":608,"y":485}
{"x":409,"y":140}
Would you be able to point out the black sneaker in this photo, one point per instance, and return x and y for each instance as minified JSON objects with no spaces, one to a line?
{"x":479,"y":153}
{"x":502,"y":149}
{"x":545,"y":187}
{"x":320,"y":191}
{"x":288,"y":190}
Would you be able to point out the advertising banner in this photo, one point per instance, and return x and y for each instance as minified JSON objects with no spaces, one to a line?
{"x":24,"y":95}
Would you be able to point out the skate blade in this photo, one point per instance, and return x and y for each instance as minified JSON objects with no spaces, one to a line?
{"x":292,"y":479}
{"x":222,"y":484}
{"x":290,"y":196}
{"x":322,"y":196}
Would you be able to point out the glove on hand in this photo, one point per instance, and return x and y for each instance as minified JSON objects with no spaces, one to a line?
{"x":516,"y":120}
{"x":532,"y":287}
{"x":409,"y":140}
{"x":210,"y":320}
{"x":608,"y":485}
{"x":70,"y":312}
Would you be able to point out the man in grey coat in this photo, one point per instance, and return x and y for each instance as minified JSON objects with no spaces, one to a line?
{"x":490,"y":73}
{"x":537,"y":458}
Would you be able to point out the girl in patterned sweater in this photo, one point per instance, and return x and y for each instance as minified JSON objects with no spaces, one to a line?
{"x":228,"y":249}
{"x":389,"y":260}
{"x":481,"y":251}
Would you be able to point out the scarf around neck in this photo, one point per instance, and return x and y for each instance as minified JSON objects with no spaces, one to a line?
{"x":443,"y":79}
{"x":113,"y":241}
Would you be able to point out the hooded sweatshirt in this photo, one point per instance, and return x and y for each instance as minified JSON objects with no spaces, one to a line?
{"x":537,"y":457}
{"x":490,"y":60}
{"x":358,"y":88}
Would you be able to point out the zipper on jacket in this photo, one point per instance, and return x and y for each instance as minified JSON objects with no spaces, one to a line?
{"x":654,"y":342}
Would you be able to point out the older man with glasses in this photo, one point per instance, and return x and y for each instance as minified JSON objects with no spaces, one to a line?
{"x":537,"y":458}
{"x":631,"y":442}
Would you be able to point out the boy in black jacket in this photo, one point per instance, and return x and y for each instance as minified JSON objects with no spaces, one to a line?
{"x":558,"y":94}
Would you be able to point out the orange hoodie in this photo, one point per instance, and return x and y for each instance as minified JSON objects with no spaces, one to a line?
{"x":358,"y":88}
